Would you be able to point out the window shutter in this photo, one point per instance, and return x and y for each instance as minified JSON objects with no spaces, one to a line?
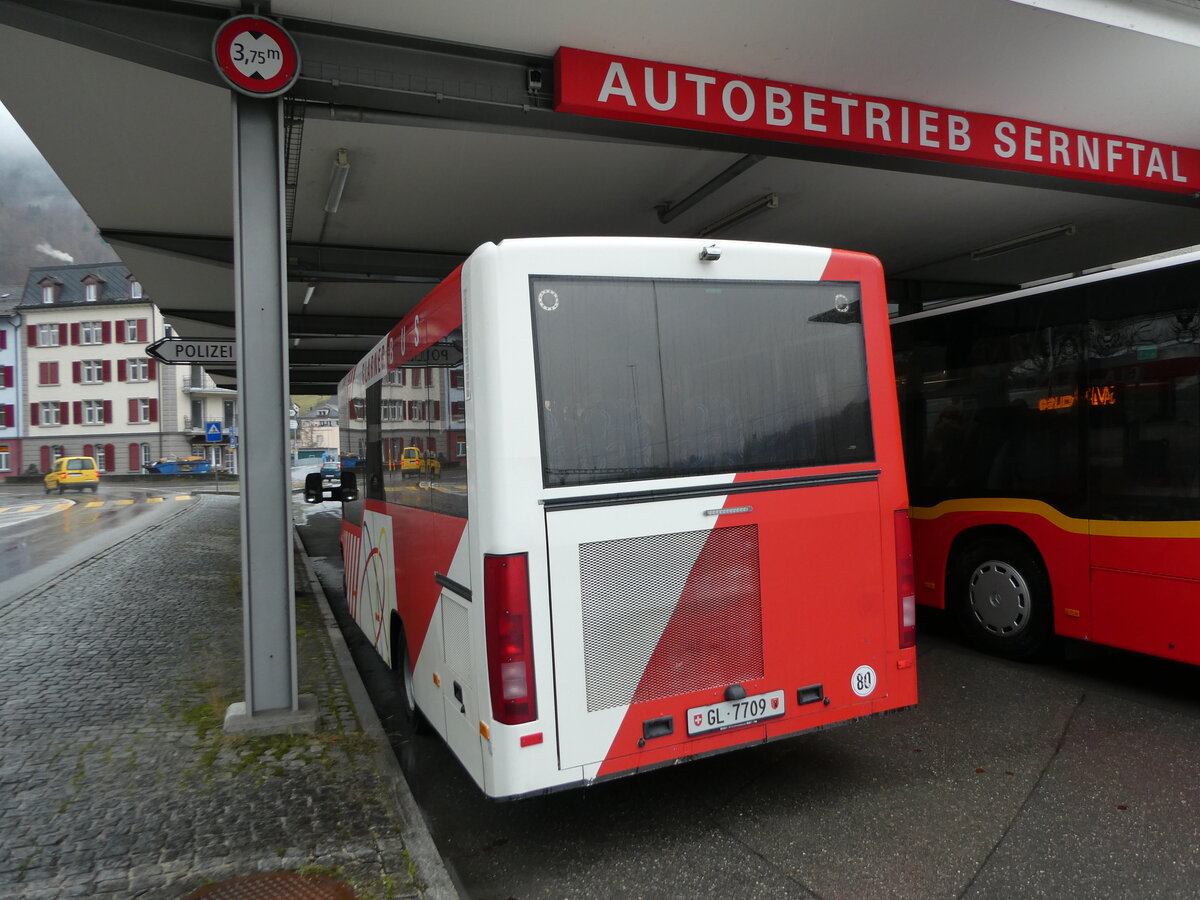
{"x":141,"y":331}
{"x":121,"y":370}
{"x":133,"y":410}
{"x":437,"y":409}
{"x":6,"y":375}
{"x":89,"y":450}
{"x":3,"y":340}
{"x":45,"y":457}
{"x":107,"y":412}
{"x":54,"y":372}
{"x":153,"y":410}
{"x":64,"y":413}
{"x":120,"y":332}
{"x":31,"y":336}
{"x":74,"y":333}
{"x":106,"y":332}
{"x":152,"y":368}
{"x":33,"y":414}
{"x":10,"y":418}
{"x":79,"y":415}
{"x":106,"y":370}
{"x":76,"y":371}
{"x":135,"y":457}
{"x":62,"y":334}
{"x":110,"y":458}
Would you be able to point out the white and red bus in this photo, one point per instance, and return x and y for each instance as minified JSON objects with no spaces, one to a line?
{"x":658,"y":508}
{"x":1053,"y":453}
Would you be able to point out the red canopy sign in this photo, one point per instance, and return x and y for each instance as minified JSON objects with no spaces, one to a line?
{"x":638,"y":90}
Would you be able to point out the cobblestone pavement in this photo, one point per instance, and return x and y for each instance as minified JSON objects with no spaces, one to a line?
{"x":115,"y":776}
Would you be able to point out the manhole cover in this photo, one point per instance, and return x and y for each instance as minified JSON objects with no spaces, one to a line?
{"x":276,"y":886}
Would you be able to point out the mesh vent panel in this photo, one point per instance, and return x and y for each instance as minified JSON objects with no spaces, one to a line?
{"x":456,"y":638}
{"x":670,"y":614}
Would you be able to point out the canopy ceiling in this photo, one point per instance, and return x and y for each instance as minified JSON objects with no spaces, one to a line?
{"x":451,"y":144}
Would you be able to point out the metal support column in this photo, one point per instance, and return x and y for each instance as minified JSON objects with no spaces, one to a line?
{"x":272,"y":701}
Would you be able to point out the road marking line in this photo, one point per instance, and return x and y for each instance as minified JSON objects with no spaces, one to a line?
{"x":93,"y":504}
{"x":123,"y":502}
{"x":184,"y":497}
{"x":155,"y":499}
{"x":30,"y":508}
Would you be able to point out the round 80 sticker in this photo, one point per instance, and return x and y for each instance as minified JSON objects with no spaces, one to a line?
{"x":862,"y":682}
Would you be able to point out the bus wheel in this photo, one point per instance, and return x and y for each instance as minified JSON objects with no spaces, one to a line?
{"x":408,"y":695}
{"x":1001,"y":596}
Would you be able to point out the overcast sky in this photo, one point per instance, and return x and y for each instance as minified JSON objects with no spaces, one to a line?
{"x":13,"y":141}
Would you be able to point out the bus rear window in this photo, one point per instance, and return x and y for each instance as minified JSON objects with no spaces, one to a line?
{"x":646,"y":379}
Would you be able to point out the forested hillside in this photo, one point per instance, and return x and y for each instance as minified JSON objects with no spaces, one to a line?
{"x":40,"y":222}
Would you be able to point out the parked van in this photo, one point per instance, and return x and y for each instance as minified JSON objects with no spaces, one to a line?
{"x":76,"y":472}
{"x":417,"y":462}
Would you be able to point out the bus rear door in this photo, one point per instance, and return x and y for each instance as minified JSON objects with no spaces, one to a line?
{"x":739,"y":617}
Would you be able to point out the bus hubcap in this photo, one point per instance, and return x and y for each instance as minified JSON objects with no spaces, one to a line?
{"x":999,"y":598}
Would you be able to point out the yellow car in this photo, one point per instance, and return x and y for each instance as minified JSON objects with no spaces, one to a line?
{"x":77,"y":472}
{"x":416,"y":462}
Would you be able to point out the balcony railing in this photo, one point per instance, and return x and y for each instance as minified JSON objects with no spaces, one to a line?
{"x":199,"y":425}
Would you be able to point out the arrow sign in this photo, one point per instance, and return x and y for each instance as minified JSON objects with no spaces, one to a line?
{"x":176,"y":352}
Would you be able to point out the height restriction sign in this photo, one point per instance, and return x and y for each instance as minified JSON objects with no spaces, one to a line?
{"x":256,"y":56}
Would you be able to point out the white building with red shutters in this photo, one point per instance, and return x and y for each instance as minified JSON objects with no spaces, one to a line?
{"x":10,"y":370}
{"x":89,"y":389}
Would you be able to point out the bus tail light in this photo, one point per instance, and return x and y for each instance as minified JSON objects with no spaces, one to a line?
{"x":509,"y":637}
{"x":906,"y":585}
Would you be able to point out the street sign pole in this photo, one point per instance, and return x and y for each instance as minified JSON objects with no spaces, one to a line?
{"x":259,"y":61}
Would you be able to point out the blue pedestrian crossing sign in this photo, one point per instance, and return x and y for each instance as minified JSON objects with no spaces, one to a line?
{"x":212,"y":432}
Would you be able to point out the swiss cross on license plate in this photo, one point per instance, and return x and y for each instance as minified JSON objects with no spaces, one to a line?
{"x":732,"y":713}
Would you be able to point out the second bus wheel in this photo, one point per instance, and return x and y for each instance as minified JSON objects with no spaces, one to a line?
{"x":1000,"y":593}
{"x":402,"y":666}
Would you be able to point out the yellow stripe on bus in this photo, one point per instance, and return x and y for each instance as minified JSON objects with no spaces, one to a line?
{"x":1101,"y":527}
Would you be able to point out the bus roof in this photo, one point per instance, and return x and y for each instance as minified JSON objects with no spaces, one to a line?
{"x":1119,"y":270}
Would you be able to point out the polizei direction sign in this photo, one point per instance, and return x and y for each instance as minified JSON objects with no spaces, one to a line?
{"x":176,"y":352}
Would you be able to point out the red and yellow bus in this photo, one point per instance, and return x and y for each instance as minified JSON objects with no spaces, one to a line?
{"x":668,"y":517}
{"x":1052,"y":438}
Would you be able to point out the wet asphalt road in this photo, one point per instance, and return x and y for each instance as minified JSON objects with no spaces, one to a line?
{"x":42,"y":534}
{"x":1074,"y":778}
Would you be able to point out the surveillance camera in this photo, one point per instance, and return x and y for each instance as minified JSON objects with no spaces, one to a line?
{"x":534,"y":77}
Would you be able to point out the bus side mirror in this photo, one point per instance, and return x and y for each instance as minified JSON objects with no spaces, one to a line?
{"x":316,"y":492}
{"x":313,"y":488}
{"x":347,"y":491}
